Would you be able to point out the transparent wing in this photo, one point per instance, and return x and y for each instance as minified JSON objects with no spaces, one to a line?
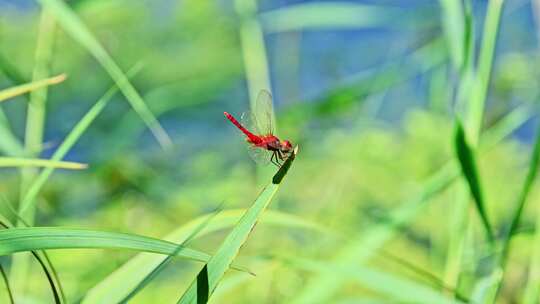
{"x":249,"y":121}
{"x":263,"y":113}
{"x":259,"y":155}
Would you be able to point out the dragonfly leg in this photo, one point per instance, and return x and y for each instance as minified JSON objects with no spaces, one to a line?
{"x":275,"y":154}
{"x":273,"y":159}
{"x":280,"y":155}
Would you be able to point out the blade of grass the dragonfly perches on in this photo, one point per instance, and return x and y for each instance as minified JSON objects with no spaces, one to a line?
{"x":25,"y":88}
{"x":33,"y":162}
{"x":467,"y":162}
{"x":74,"y":27}
{"x":207,"y":280}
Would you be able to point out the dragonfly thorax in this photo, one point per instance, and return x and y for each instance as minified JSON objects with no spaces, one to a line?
{"x":273,"y":143}
{"x":270,"y":142}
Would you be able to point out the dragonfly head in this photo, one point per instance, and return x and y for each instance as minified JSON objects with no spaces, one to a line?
{"x":286,"y":146}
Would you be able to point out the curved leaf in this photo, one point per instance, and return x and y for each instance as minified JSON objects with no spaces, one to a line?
{"x":118,"y":284}
{"x":467,"y":162}
{"x":38,"y":238}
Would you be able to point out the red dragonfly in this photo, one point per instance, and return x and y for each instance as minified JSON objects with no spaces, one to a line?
{"x":264,"y":145}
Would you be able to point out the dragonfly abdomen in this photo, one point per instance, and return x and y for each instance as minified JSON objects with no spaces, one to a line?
{"x":252,"y":138}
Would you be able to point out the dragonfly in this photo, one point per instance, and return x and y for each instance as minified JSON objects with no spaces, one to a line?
{"x":264,"y":146}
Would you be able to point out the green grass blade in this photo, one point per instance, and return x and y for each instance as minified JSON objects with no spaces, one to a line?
{"x":453,"y":20}
{"x":424,"y":274}
{"x":483,"y":72}
{"x":58,"y":296}
{"x":115,"y":286}
{"x":31,"y":162}
{"x":54,"y":280}
{"x":396,"y":288}
{"x":6,"y":283}
{"x":33,"y":139}
{"x":471,"y":97}
{"x":29,"y":87}
{"x":207,"y":280}
{"x":36,"y":109}
{"x":327,"y":15}
{"x":531,"y":294}
{"x":253,"y":49}
{"x":467,"y":162}
{"x":522,"y":198}
{"x":505,"y":126}
{"x":39,"y":238}
{"x":467,"y":69}
{"x":73,"y":25}
{"x":458,"y":223}
{"x":76,"y":132}
{"x":518,"y":211}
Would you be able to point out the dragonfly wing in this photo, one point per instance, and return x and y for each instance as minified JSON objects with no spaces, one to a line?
{"x":263,"y":113}
{"x":259,"y":155}
{"x":248,"y":120}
